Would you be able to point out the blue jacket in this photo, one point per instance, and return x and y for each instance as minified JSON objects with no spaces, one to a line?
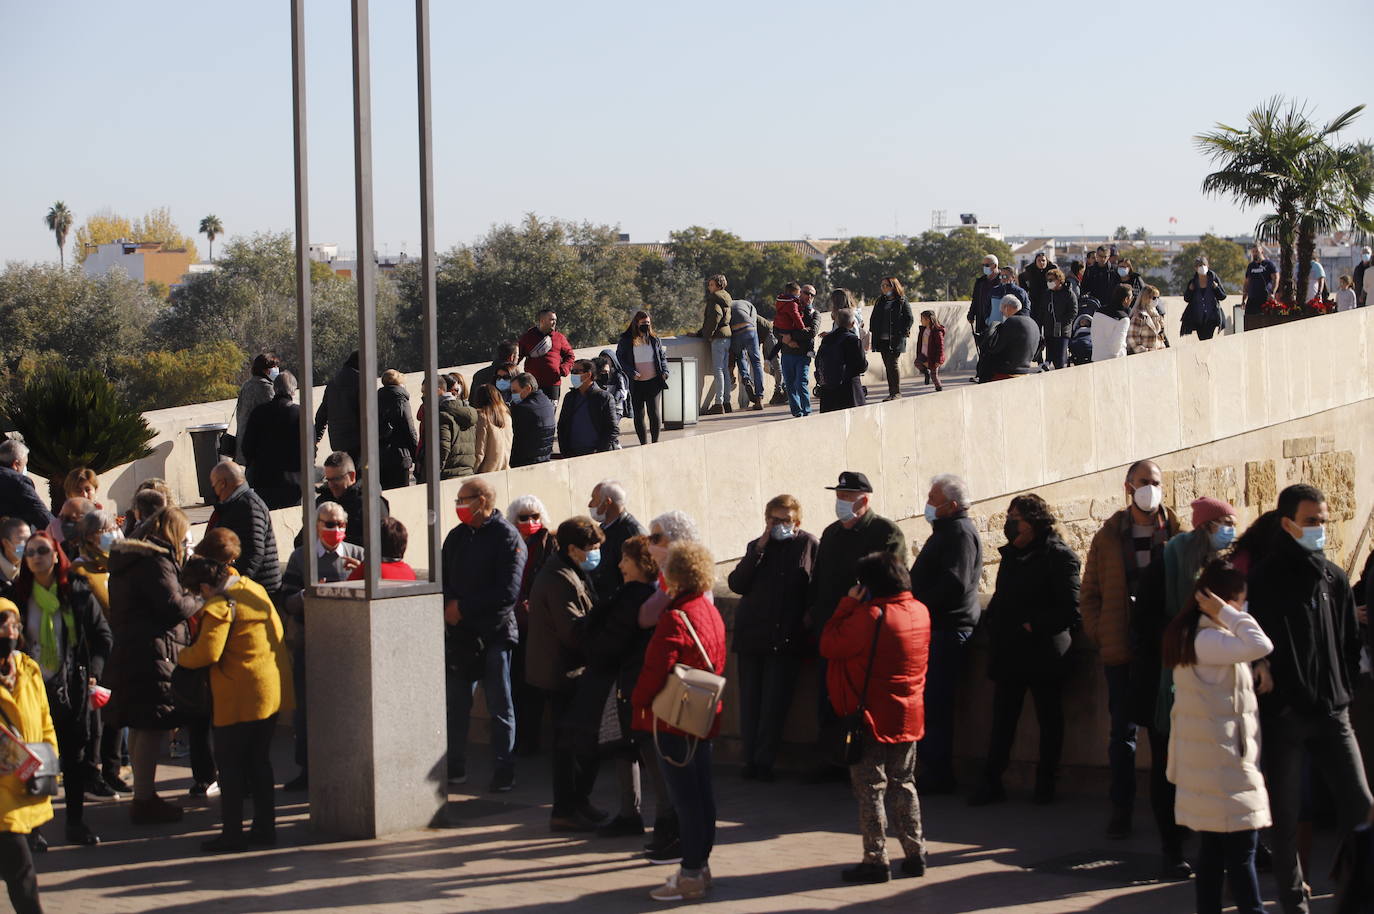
{"x":482,"y":571}
{"x":625,"y":355}
{"x":19,"y":498}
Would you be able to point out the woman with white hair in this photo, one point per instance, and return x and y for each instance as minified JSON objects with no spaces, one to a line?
{"x":531,"y":518}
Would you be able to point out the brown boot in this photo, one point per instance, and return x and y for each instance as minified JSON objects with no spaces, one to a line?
{"x":156,"y":811}
{"x":757,"y":405}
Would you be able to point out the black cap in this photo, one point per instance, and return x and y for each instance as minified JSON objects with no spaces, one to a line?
{"x":852,"y":482}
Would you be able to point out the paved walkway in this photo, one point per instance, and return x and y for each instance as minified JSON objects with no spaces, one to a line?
{"x":780,"y":848}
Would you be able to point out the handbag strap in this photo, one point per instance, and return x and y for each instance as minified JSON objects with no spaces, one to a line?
{"x":18,"y":734}
{"x":872,"y":655}
{"x":693,"y":632}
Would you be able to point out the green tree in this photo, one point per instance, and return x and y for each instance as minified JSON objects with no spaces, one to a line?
{"x":59,"y":222}
{"x":1150,"y":264}
{"x":860,"y":263}
{"x":707,"y":252}
{"x":1140,"y":234}
{"x":161,"y":379}
{"x":1263,"y":164}
{"x":776,"y":266}
{"x":1226,"y":258}
{"x":1121,"y":234}
{"x":211,"y":228}
{"x":671,"y":293}
{"x":949,"y":264}
{"x":75,"y":418}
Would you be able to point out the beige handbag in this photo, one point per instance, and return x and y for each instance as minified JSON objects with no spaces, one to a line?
{"x":688,"y":700}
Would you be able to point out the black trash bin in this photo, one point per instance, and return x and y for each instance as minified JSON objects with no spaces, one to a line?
{"x":205,"y":447}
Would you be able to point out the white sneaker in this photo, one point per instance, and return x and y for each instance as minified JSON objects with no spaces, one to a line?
{"x":213,"y":789}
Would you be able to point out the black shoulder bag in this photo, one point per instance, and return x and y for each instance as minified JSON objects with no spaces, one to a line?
{"x":849,"y":746}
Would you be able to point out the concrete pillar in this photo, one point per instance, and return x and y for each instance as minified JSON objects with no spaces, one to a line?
{"x":377,"y":723}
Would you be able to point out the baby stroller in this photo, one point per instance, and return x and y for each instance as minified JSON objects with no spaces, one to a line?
{"x":1081,"y":332}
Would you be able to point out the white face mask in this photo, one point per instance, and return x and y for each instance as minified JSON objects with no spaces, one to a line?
{"x":1202,"y":271}
{"x":1122,"y":271}
{"x":1148,"y":498}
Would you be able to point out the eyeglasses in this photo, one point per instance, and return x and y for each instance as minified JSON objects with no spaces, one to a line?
{"x":336,"y":479}
{"x":528,"y":517}
{"x":333,"y":525}
{"x":463,"y":498}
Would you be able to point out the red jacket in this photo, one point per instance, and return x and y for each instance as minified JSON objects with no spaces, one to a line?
{"x":671,"y":643}
{"x":937,"y":345}
{"x":896,"y":703}
{"x":548,"y":369}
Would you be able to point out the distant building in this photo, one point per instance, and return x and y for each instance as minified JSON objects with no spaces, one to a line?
{"x":142,"y":260}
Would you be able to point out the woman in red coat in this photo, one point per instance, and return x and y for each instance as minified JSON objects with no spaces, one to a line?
{"x":684,"y":760}
{"x":930,"y":347}
{"x":881,"y":619}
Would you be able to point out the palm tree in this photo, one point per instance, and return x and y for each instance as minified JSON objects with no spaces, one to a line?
{"x":1266,"y":163}
{"x":1334,"y":187}
{"x":59,"y":220}
{"x":211,"y":228}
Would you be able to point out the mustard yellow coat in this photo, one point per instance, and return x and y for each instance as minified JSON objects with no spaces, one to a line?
{"x":27,"y":709}
{"x":250,"y":673}
{"x":100,"y":584}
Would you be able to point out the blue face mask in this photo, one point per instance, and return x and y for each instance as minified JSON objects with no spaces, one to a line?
{"x":19,"y":551}
{"x":930,"y":512}
{"x":1222,"y":537}
{"x":107,"y":540}
{"x":273,"y":372}
{"x":1314,"y":538}
{"x":503,"y":384}
{"x":784,"y":531}
{"x":516,"y":398}
{"x":575,"y":380}
{"x":987,"y":271}
{"x":592,"y":560}
{"x":844,"y":510}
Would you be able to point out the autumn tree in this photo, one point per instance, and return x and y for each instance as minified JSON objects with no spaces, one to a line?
{"x":106,"y":227}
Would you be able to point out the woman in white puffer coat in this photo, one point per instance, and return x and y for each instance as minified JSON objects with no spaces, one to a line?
{"x":1214,"y":738}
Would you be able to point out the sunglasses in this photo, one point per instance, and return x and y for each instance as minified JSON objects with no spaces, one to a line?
{"x":38,"y":550}
{"x":333,"y":525}
{"x":528,"y":517}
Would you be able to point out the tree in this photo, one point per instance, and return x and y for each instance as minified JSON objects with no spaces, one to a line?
{"x":1150,"y":264}
{"x":59,"y":221}
{"x":710,"y":252}
{"x":1121,"y":234}
{"x":949,"y":264}
{"x":105,"y":227}
{"x":1263,"y":164}
{"x":776,"y":266}
{"x":1140,"y":234}
{"x":75,"y":418}
{"x":161,"y":379}
{"x":211,"y":228}
{"x":860,"y":263}
{"x":671,"y":293}
{"x":1226,"y":258}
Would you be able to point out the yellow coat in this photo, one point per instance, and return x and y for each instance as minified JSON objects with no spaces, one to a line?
{"x":27,"y":708}
{"x":100,"y":584}
{"x":250,"y":673}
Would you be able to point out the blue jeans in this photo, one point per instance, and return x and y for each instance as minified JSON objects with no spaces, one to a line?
{"x":1121,"y":736}
{"x":795,"y":372}
{"x":1224,"y":854}
{"x":744,"y":351}
{"x":500,"y":707}
{"x":936,"y":749}
{"x":720,"y":370}
{"x":693,"y":796}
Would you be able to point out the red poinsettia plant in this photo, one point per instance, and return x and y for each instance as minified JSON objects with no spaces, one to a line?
{"x":1318,"y":306}
{"x":1280,"y":308}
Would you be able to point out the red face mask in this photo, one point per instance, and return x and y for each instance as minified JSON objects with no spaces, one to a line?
{"x":529,"y":527}
{"x":464,"y":514}
{"x":332,"y":538}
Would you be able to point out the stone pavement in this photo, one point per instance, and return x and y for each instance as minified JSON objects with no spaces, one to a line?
{"x":780,"y":848}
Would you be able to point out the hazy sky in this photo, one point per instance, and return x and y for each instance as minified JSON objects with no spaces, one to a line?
{"x":770,"y":119}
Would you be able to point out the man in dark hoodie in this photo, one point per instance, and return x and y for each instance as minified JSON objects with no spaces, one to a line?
{"x":341,"y":412}
{"x":506,"y":352}
{"x":1304,"y":603}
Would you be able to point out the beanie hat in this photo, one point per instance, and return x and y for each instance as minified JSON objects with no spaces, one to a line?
{"x":1206,"y":510}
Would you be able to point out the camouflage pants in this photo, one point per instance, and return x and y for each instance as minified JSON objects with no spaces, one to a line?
{"x":884,"y":765}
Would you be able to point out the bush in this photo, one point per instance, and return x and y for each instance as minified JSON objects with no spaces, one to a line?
{"x":161,"y":379}
{"x":73,"y":419}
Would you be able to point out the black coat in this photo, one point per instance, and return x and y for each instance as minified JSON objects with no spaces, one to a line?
{"x":840,"y":365}
{"x":1200,"y":312}
{"x":1098,"y":280}
{"x":614,"y":644}
{"x":148,"y":619}
{"x":272,"y":451}
{"x":19,"y":498}
{"x":248,"y":516}
{"x":352,"y":503}
{"x":773,"y":584}
{"x":604,"y":421}
{"x":1305,"y":605}
{"x":890,"y":323}
{"x":1011,"y":348}
{"x":1033,"y":280}
{"x":482,"y":571}
{"x":397,"y":440}
{"x":534,"y":428}
{"x":1038,"y":586}
{"x":607,"y":577}
{"x":340,"y":411}
{"x":947,"y":571}
{"x":86,"y":655}
{"x":1063,"y":308}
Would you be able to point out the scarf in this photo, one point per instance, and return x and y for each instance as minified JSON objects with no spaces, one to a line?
{"x":48,"y":604}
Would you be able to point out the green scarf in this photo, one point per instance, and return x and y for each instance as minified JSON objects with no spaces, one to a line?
{"x":49,"y":605}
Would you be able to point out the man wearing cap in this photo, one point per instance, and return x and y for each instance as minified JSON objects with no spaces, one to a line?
{"x":857,"y":531}
{"x":945,"y":578}
{"x":1118,"y":557}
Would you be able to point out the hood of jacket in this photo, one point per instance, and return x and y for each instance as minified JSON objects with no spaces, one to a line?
{"x":127,"y":553}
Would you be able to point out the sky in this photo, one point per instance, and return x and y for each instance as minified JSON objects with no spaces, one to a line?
{"x":772,"y":120}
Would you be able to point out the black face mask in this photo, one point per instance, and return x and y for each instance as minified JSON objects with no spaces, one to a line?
{"x":1012,"y":529}
{"x":644,"y":329}
{"x":6,"y":647}
{"x":68,"y":530}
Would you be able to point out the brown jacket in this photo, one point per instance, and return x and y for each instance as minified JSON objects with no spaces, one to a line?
{"x":1105,"y":599}
{"x":559,"y":601}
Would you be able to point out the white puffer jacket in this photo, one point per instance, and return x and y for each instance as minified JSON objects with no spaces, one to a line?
{"x":1214,"y":736}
